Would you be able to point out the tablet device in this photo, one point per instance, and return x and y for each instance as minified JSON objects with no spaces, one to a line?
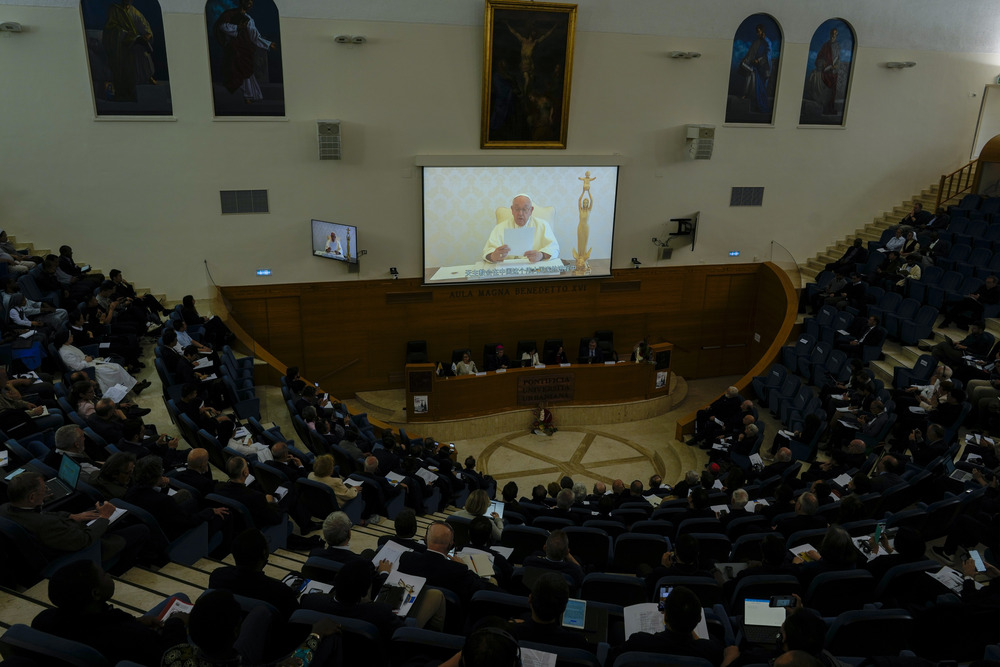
{"x":575,"y":615}
{"x":496,"y":506}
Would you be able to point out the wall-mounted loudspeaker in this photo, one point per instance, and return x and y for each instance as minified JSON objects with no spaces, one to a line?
{"x":328,"y":132}
{"x":700,"y":141}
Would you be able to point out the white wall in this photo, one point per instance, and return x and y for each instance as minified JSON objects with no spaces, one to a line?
{"x":143,"y":196}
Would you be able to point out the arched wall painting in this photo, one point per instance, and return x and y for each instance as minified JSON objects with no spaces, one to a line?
{"x":753,"y":72}
{"x":127,"y":57}
{"x":245,"y":57}
{"x":828,"y":74}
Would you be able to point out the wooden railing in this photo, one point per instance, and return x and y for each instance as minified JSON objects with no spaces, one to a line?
{"x":955,"y":184}
{"x":778,"y":287}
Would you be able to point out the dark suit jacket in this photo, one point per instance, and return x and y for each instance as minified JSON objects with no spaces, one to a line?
{"x":670,"y":643}
{"x":292,"y":471}
{"x":170,"y":358}
{"x":172,"y":519}
{"x":441,"y":571}
{"x":202,"y":482}
{"x":256,"y":585}
{"x":549,"y":633}
{"x":115,"y":634}
{"x":884,"y":481}
{"x":55,"y":530}
{"x":263,"y":513}
{"x":562,"y":567}
{"x":378,"y":614}
{"x":585,"y":357}
{"x":794,"y":524}
{"x":111,"y":431}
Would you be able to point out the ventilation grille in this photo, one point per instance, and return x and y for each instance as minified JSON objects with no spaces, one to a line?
{"x":747,"y":197}
{"x":243,"y":201}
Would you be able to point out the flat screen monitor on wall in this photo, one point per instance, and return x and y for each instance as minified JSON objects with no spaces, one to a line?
{"x":335,"y":241}
{"x":481,"y":226}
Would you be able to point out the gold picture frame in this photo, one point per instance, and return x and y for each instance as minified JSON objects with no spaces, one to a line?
{"x":527,"y":71}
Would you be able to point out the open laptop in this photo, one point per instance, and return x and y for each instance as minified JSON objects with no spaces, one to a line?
{"x":954,"y":473}
{"x":761,"y":621}
{"x":65,"y":482}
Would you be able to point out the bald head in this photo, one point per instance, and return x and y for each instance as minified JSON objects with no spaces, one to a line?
{"x":600,"y":488}
{"x":371,"y":464}
{"x":784,"y":455}
{"x":439,"y":537}
{"x":732,"y":392}
{"x":279,"y":451}
{"x":198,"y":459}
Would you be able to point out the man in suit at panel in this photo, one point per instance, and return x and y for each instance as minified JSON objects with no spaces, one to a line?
{"x":592,"y":355}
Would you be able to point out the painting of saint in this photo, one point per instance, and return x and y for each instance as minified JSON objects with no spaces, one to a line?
{"x":828,"y":73}
{"x":527,"y":73}
{"x":753,"y":71}
{"x":247,"y":79}
{"x":127,"y":57}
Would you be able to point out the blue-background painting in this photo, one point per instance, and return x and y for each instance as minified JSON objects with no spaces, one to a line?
{"x":828,"y":74}
{"x":753,"y":81}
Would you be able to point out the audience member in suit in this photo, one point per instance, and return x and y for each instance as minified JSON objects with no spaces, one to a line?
{"x":308,"y":397}
{"x":285,"y":461}
{"x":543,"y":625}
{"x":737,"y":507}
{"x":871,"y":336}
{"x":726,"y":409}
{"x":691,"y":480}
{"x":699,"y":506}
{"x":784,"y":501}
{"x":557,"y":557}
{"x":976,"y":344}
{"x":59,"y":533}
{"x":926,"y":449}
{"x":149,"y":491}
{"x":908,"y":547}
{"x":349,"y":599}
{"x":107,"y":420}
{"x":377,"y":494}
{"x":805,"y":517}
{"x":856,"y":254}
{"x":247,"y":578}
{"x":593,"y":354}
{"x":262,"y":507}
{"x":481,"y":539}
{"x":474,"y":478}
{"x":168,"y":351}
{"x":886,"y":474}
{"x":842,"y":460}
{"x":681,"y":615}
{"x":70,"y":441}
{"x":405,"y":525}
{"x":855,"y":294}
{"x":337,"y":535}
{"x":684,"y":560}
{"x":775,"y":560}
{"x":197,"y":474}
{"x":115,"y":476}
{"x":441,"y":570}
{"x":81,"y":592}
{"x":972,"y":306}
{"x":204,"y":416}
{"x":836,"y":552}
{"x":135,"y":441}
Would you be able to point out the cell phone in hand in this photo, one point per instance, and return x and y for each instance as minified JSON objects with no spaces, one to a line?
{"x":665,"y":592}
{"x":879,"y":529}
{"x":782,"y":601}
{"x":978,"y":560}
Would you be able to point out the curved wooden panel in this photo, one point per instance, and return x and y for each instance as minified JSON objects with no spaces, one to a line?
{"x":774,"y":318}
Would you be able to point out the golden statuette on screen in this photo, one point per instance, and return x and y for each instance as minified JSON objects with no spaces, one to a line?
{"x":585,"y":204}
{"x":347,"y":252}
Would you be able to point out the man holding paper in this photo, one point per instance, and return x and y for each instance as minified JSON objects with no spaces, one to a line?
{"x":525,"y":236}
{"x":676,"y":634}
